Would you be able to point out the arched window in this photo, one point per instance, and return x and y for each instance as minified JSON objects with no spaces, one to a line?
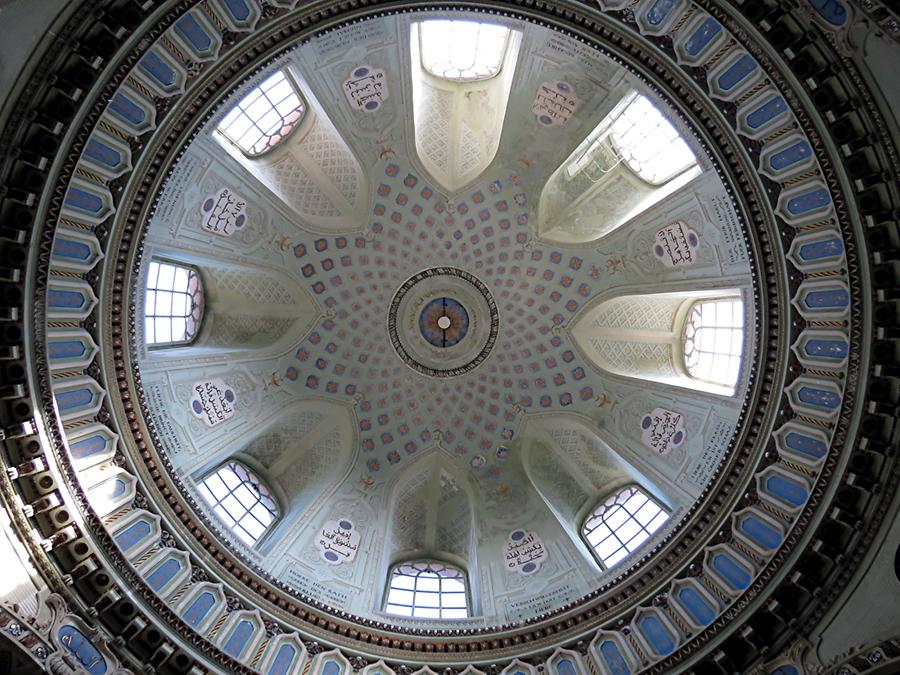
{"x":463,"y":51}
{"x":241,"y":500}
{"x":637,"y":133}
{"x":621,"y":523}
{"x":429,"y":590}
{"x":173,"y":304}
{"x":714,"y":340}
{"x":264,"y":117}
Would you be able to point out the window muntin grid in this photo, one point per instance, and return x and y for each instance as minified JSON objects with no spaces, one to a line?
{"x":637,"y":133}
{"x":714,"y":340}
{"x":427,"y":590}
{"x":264,"y":117}
{"x":241,"y":500}
{"x":173,"y":304}
{"x":621,"y":524}
{"x":462,"y":51}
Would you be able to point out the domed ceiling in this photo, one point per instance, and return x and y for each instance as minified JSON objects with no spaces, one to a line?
{"x":325,"y":304}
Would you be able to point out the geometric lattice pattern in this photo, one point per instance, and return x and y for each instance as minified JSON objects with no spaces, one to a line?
{"x":621,"y":523}
{"x":264,"y":117}
{"x":429,"y":590}
{"x":241,"y":500}
{"x":713,"y":341}
{"x":462,"y":51}
{"x":173,"y":304}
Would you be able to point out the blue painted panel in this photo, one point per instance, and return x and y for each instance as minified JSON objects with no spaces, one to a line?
{"x":72,"y":249}
{"x":657,"y":635}
{"x":760,"y":532}
{"x":91,"y":445}
{"x":696,"y":605}
{"x":819,"y":250}
{"x":74,"y":398}
{"x":119,"y":489}
{"x":613,"y":658}
{"x":155,"y":66}
{"x":565,"y":667}
{"x":766,"y":112}
{"x":827,"y":349}
{"x":193,"y":33}
{"x":82,"y":649}
{"x":832,"y":11}
{"x":163,"y":574}
{"x":821,"y":398}
{"x":238,"y":639}
{"x":786,"y":670}
{"x":76,"y":198}
{"x":660,"y":11}
{"x":332,"y":668}
{"x":807,"y":445}
{"x":730,"y":571}
{"x":239,"y":9}
{"x":736,"y":72}
{"x":702,"y":36}
{"x":65,"y":299}
{"x":827,"y":299}
{"x":793,"y":154}
{"x":283,"y":660}
{"x":127,"y":109}
{"x":103,"y":154}
{"x":198,"y":609}
{"x":809,"y":202}
{"x":787,"y":490}
{"x":66,"y":349}
{"x":132,"y":535}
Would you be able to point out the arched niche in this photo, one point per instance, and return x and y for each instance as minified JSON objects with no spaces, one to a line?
{"x":458,"y":123}
{"x":244,"y":307}
{"x":313,"y":171}
{"x":432,"y":517}
{"x":601,"y":185}
{"x":573,"y":469}
{"x":302,"y":453}
{"x":642,"y":336}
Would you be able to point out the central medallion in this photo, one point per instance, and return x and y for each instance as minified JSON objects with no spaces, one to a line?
{"x":443,"y":322}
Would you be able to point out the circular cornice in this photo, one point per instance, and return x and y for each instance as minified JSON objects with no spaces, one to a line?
{"x":759,"y":198}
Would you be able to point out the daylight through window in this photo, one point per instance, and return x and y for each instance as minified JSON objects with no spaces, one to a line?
{"x":428,"y":590}
{"x":713,"y":341}
{"x":264,"y":117}
{"x":241,"y":500}
{"x":465,"y":51}
{"x":173,"y":304}
{"x":621,"y":524}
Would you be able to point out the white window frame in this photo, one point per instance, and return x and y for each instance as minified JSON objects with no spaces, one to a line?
{"x":610,"y":503}
{"x":261,"y":495}
{"x":197,"y":306}
{"x":690,"y":370}
{"x":496,"y":70}
{"x":404,"y":569}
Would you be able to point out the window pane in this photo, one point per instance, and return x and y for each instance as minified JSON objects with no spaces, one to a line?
{"x":265,"y":116}
{"x":716,"y":332}
{"x":173,"y":304}
{"x":621,"y":523}
{"x":463,"y":51}
{"x":426,"y":589}
{"x":232,"y":491}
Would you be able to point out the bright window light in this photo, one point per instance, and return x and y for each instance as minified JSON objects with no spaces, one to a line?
{"x":636,"y":132}
{"x":173,"y":304}
{"x":621,"y":524}
{"x":264,"y":117}
{"x":241,"y":500}
{"x":714,"y":341}
{"x":464,"y":51}
{"x":427,"y":590}
{"x":648,"y":142}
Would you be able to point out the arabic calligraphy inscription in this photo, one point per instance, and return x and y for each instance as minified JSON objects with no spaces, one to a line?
{"x":662,"y":430}
{"x":223,"y":213}
{"x":212,"y":402}
{"x":366,"y":89}
{"x":338,"y":542}
{"x":676,"y":245}
{"x":524,"y":552}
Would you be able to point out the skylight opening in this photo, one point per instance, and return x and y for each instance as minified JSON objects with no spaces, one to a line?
{"x":648,"y":143}
{"x":240,"y":500}
{"x":173,"y":304}
{"x":462,"y":51}
{"x":265,"y":117}
{"x":714,"y":341}
{"x":621,"y":524}
{"x":427,"y":590}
